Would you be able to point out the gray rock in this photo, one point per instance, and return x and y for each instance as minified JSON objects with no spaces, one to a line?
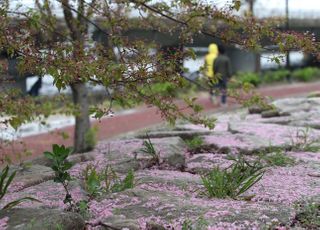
{"x":274,"y":113}
{"x":33,"y":175}
{"x":292,"y":105}
{"x":226,"y":142}
{"x":81,"y":157}
{"x":184,"y":134}
{"x":203,"y":163}
{"x":49,"y":193}
{"x":183,"y":180}
{"x":119,"y":222}
{"x":41,"y":160}
{"x":298,"y":119}
{"x":168,"y":207}
{"x":251,"y":137}
{"x":285,"y":120}
{"x":154,"y":226}
{"x":274,"y":134}
{"x":172,"y":151}
{"x":314,"y":94}
{"x":42,"y":219}
{"x":255,"y":109}
{"x":124,"y":155}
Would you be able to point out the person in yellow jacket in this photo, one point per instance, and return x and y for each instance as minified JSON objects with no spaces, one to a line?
{"x":209,"y":60}
{"x":209,"y":69}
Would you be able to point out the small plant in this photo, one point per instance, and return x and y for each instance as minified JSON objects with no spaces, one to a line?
{"x":149,"y":149}
{"x":245,"y":165}
{"x":187,"y":225}
{"x":278,"y":159}
{"x":91,"y":138}
{"x":301,"y":141}
{"x":126,"y":183}
{"x":199,"y":224}
{"x":30,"y":225}
{"x":109,"y":176}
{"x":60,"y":166}
{"x":59,"y":227}
{"x":5,"y":181}
{"x":106,"y":181}
{"x":308,"y":215}
{"x":114,"y":184}
{"x":314,"y":94}
{"x":194,"y":143}
{"x":233,"y":181}
{"x":306,"y":74}
{"x":249,"y":77}
{"x":275,"y":76}
{"x":83,"y":208}
{"x":92,"y":181}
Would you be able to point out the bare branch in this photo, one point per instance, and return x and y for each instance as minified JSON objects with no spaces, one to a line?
{"x":70,"y":21}
{"x":71,"y":9}
{"x":90,"y":10}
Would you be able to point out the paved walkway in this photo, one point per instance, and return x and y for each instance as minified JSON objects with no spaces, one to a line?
{"x":144,"y":117}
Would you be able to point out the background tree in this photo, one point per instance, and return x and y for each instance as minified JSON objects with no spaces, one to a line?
{"x":76,"y":59}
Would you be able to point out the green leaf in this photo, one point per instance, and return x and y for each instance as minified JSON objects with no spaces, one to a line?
{"x":8,"y":182}
{"x":49,"y":155}
{"x":15,"y":122}
{"x":3,"y":177}
{"x":67,"y":165}
{"x":237,"y":5}
{"x":250,"y":182}
{"x":19,"y":201}
{"x":56,"y":149}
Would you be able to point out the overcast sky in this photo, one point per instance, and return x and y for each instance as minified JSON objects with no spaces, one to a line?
{"x":297,"y":8}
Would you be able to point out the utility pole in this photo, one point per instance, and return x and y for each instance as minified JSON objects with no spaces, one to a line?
{"x":251,"y":6}
{"x":257,"y":54}
{"x":287,"y":26}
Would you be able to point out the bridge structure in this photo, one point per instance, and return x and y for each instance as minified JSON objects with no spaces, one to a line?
{"x":241,"y":60}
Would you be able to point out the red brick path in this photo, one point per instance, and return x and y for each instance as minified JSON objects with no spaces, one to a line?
{"x":144,"y":117}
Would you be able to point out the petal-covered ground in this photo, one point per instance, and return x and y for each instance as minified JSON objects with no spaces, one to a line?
{"x":169,"y":193}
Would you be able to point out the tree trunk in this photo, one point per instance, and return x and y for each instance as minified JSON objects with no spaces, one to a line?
{"x":80,"y":99}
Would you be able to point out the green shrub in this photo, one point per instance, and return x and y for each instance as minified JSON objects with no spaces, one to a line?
{"x":249,"y":77}
{"x":306,"y":74}
{"x":126,"y":183}
{"x":275,"y":76}
{"x":93,"y":181}
{"x":149,"y":149}
{"x":60,"y":166}
{"x":278,"y":159}
{"x":302,"y":141}
{"x":194,"y":143}
{"x":83,"y":208}
{"x":91,"y":138}
{"x":233,"y":181}
{"x":308,"y":215}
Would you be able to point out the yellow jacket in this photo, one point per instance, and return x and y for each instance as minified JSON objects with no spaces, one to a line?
{"x":209,"y":59}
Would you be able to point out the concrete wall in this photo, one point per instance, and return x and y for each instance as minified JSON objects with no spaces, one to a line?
{"x":242,"y":61}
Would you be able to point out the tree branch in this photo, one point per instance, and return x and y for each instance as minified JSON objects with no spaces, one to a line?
{"x":70,"y":9}
{"x":91,"y":8}
{"x":70,"y":21}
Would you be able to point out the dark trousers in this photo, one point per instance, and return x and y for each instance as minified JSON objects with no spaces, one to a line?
{"x":220,"y":88}
{"x":34,"y":91}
